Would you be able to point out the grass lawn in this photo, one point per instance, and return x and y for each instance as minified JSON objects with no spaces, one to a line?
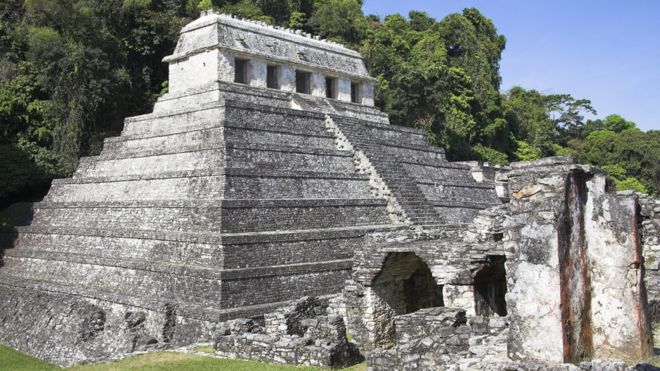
{"x":11,"y":360}
{"x":14,"y":361}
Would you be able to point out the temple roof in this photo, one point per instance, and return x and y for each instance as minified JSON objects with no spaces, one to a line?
{"x":281,"y":45}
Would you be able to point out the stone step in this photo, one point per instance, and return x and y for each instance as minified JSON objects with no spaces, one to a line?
{"x":236,"y":155}
{"x":231,"y":182}
{"x":314,"y":136}
{"x":464,"y":204}
{"x":392,"y":153}
{"x":406,"y":162}
{"x":132,"y":298}
{"x":237,"y":215}
{"x":362,"y":131}
{"x":120,"y":244}
{"x":229,"y":112}
{"x":219,"y":146}
{"x":136,"y":177}
{"x":288,"y":157}
{"x":225,"y":288}
{"x":151,"y":164}
{"x":112,"y":275}
{"x":422,"y":213}
{"x":432,"y":173}
{"x":207,"y":237}
{"x":460,"y":194}
{"x":229,"y":250}
{"x":287,"y":184}
{"x":185,"y":185}
{"x":143,"y":215}
{"x":209,"y":300}
{"x":244,"y":250}
{"x":201,"y":117}
{"x":280,"y":283}
{"x":187,"y":141}
{"x":139,"y":263}
{"x":486,"y":185}
{"x":308,"y":138}
{"x":269,"y":215}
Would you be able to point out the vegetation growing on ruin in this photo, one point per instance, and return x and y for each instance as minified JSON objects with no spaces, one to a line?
{"x":70,"y":71}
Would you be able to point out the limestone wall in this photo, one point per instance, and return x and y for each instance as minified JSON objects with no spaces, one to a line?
{"x":650,"y":241}
{"x":574,"y":276}
{"x":303,"y":333}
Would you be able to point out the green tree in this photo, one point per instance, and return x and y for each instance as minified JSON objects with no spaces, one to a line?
{"x":526,"y":152}
{"x":205,"y":5}
{"x":634,"y":151}
{"x":568,"y":115}
{"x":617,"y":124}
{"x":341,"y":20}
{"x":297,"y":20}
{"x":622,"y":181}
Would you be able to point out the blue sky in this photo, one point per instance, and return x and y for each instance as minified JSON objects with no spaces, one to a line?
{"x":604,"y":50}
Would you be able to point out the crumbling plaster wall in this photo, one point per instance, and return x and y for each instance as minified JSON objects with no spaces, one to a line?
{"x":575,"y":275}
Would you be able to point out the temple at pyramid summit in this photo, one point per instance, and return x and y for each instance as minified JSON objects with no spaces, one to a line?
{"x":266,"y":189}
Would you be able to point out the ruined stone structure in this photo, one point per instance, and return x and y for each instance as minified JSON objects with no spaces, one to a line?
{"x":265,"y":175}
{"x":553,"y":276}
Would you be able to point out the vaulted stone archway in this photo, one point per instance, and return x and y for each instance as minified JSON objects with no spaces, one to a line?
{"x":403,"y":285}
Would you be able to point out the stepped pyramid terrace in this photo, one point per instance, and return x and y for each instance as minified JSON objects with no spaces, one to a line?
{"x":267,"y":206}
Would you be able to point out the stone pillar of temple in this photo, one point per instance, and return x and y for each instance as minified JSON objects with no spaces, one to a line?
{"x":225,"y":66}
{"x":257,"y":73}
{"x":367,"y":94}
{"x":344,"y":90}
{"x":317,"y":84}
{"x":287,"y":78}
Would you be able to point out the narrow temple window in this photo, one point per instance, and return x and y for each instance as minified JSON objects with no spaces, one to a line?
{"x":331,"y":87}
{"x":271,"y":77}
{"x":355,"y":94}
{"x":240,"y":71}
{"x":303,"y":82}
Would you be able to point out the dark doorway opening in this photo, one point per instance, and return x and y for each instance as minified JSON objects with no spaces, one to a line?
{"x":303,"y":82}
{"x":271,"y":77}
{"x":240,"y":71}
{"x":355,"y":92}
{"x":490,"y":287}
{"x":331,"y":87}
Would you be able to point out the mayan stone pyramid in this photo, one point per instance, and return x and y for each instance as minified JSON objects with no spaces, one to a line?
{"x":249,"y":185}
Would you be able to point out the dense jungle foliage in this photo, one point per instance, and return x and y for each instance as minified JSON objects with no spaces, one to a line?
{"x":71,"y":70}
